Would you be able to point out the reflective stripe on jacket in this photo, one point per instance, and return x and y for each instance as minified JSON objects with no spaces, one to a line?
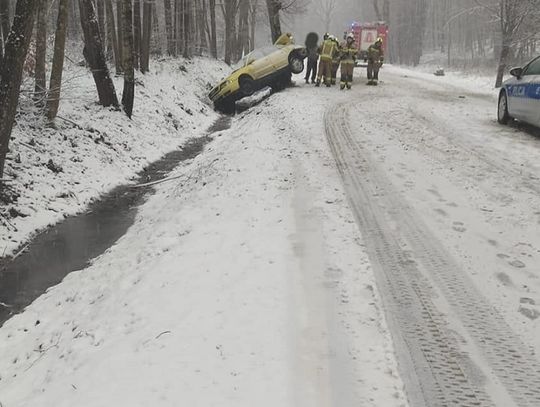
{"x":348,"y":54}
{"x":328,"y":49}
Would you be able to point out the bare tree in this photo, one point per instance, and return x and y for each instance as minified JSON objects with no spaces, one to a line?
{"x":136,"y":33}
{"x":147,"y":32}
{"x":230,"y":10}
{"x":16,"y":48}
{"x":325,"y":10}
{"x":213,"y":29}
{"x":511,"y":16}
{"x":274,"y":7}
{"x":41,"y":54}
{"x":4,"y":25}
{"x":95,"y":55}
{"x":128,"y":95}
{"x":55,"y":84}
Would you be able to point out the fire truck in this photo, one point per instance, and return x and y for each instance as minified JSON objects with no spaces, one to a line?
{"x":366,"y":34}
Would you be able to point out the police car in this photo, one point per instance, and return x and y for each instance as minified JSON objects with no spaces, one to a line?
{"x":520,"y":95}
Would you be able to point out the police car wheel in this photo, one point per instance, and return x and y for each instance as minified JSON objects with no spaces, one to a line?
{"x":296,"y":64}
{"x":247,"y":85}
{"x":503,"y":117}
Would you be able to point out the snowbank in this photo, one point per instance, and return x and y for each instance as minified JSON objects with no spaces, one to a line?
{"x":57,"y":172}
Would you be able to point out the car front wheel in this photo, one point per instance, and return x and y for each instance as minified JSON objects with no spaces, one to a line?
{"x":296,"y":63}
{"x":503,"y":116}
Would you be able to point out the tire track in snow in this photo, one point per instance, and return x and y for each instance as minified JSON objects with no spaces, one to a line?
{"x":488,"y":365}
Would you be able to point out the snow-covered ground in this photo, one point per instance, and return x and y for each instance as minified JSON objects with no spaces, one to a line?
{"x":57,"y":172}
{"x":242,"y":283}
{"x":247,"y":280}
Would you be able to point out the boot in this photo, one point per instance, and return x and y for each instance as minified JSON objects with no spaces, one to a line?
{"x":318,"y":83}
{"x":349,"y":86}
{"x":342,"y":86}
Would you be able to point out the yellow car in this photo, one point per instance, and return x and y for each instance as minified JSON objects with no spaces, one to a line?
{"x":269,"y":66}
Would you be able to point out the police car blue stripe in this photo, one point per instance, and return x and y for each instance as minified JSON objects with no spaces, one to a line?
{"x":529,"y":91}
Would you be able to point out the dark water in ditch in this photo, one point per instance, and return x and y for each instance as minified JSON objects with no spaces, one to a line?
{"x":71,"y":244}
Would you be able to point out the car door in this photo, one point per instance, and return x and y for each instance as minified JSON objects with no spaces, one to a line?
{"x":531,"y":102}
{"x":516,"y":90}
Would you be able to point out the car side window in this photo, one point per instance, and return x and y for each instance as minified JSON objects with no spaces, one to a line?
{"x":533,"y":68}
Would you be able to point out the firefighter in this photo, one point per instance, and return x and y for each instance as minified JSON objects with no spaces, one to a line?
{"x":348,"y":54}
{"x":335,"y":61}
{"x":375,"y":61}
{"x":326,"y":52}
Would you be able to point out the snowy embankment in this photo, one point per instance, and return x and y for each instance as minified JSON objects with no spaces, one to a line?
{"x":243,"y":282}
{"x":57,"y":172}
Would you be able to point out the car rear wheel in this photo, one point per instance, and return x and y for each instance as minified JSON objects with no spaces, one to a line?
{"x":247,"y":85}
{"x":296,"y":63}
{"x":503,"y":116}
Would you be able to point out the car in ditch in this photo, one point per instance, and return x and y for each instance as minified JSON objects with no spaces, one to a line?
{"x":519,"y":97}
{"x":269,"y":66}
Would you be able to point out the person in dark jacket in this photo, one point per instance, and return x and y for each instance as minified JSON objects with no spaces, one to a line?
{"x":312,"y":61}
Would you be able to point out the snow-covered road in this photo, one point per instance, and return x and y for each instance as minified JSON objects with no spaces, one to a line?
{"x":324,"y":239}
{"x":425,"y":177}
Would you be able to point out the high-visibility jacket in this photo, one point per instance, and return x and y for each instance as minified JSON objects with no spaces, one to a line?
{"x":328,"y":50}
{"x":348,"y":53}
{"x":375,"y":53}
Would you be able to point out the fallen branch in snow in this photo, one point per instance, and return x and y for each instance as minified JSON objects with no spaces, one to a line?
{"x":19,"y":252}
{"x":43,"y":352}
{"x":172,"y":178}
{"x":7,"y":223}
{"x":22,"y":143}
{"x":149,"y":184}
{"x":5,"y":180}
{"x":70,"y":121}
{"x":163,"y":333}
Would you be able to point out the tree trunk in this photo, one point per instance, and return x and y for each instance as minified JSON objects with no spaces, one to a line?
{"x":213,"y":32}
{"x":16,"y":48}
{"x":4,"y":25}
{"x":274,"y":6}
{"x":100,"y":6}
{"x":503,"y":62}
{"x":95,"y":56}
{"x":201,"y":24}
{"x":128,"y":94}
{"x":136,"y":33}
{"x":253,"y":24}
{"x":147,"y":32}
{"x":53,"y":101}
{"x":230,"y":29}
{"x":186,"y":28}
{"x":120,"y":36}
{"x":171,"y":48}
{"x":113,"y":38}
{"x":41,"y":54}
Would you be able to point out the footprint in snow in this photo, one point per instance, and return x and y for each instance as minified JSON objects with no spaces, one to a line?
{"x":459,"y":227}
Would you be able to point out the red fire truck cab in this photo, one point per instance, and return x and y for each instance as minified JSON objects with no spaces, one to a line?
{"x":366,"y":34}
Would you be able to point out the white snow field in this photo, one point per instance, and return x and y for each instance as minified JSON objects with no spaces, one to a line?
{"x":378,"y":247}
{"x":98,"y":149}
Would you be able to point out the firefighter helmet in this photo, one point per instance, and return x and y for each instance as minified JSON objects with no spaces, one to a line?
{"x":326,"y":36}
{"x":379,"y":40}
{"x":350,"y":36}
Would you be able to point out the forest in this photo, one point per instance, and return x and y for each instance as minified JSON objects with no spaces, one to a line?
{"x":119,"y":37}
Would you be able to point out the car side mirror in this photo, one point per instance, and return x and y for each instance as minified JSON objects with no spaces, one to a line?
{"x":517,"y":72}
